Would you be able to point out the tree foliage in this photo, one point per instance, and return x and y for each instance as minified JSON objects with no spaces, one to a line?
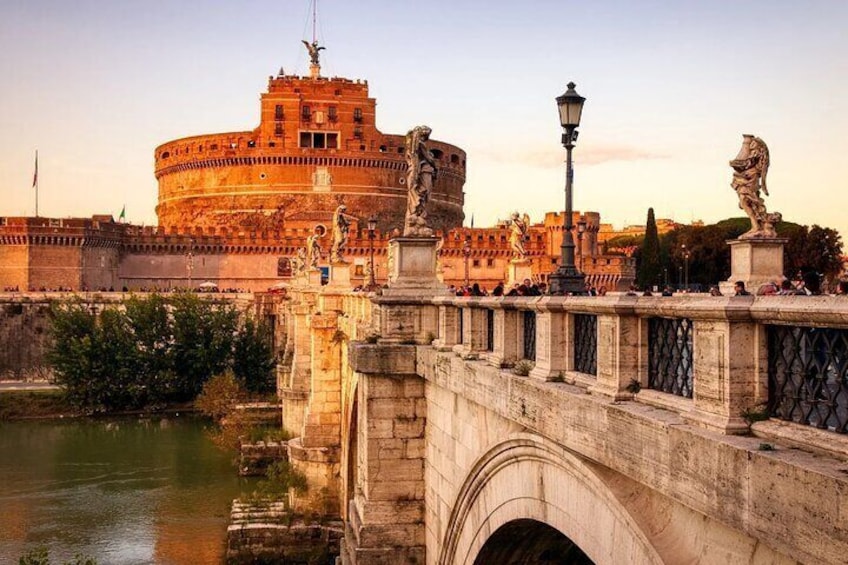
{"x":152,"y":351}
{"x":807,"y":249}
{"x":649,"y":267}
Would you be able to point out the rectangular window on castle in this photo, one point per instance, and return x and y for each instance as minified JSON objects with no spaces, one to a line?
{"x":305,"y":139}
{"x":357,"y":114}
{"x":278,"y":129}
{"x":332,"y":141}
{"x":306,"y":113}
{"x":331,"y":114}
{"x":278,"y":112}
{"x":319,"y":140}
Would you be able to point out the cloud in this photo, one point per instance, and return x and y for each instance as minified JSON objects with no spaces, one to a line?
{"x":591,"y":155}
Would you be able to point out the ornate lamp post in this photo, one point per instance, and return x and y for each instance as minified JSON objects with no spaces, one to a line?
{"x":372,"y":228}
{"x":581,"y":229}
{"x":466,"y":252}
{"x":568,"y":279}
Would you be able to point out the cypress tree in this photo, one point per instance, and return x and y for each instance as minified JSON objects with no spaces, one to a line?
{"x":650,"y":266}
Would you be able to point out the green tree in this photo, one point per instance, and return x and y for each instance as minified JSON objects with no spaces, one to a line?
{"x":150,"y":323}
{"x":822,"y":251}
{"x":253,"y":360}
{"x":203,"y":335}
{"x":154,"y":350}
{"x":649,"y":267}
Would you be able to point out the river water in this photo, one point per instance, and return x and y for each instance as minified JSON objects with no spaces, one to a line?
{"x":124,"y":491}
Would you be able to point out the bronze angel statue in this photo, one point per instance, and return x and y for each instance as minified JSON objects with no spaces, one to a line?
{"x":314,"y":50}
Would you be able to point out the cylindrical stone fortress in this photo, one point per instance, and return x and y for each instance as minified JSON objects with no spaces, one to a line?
{"x":317,"y":146}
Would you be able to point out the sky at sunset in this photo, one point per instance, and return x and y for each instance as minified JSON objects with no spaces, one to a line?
{"x":671,"y":86}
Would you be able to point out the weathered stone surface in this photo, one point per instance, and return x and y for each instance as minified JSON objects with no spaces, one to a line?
{"x":382,"y":359}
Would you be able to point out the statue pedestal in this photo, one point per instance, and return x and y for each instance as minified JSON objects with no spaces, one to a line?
{"x":517,"y":271}
{"x":413,"y":268}
{"x":755,"y":262}
{"x":340,"y":276}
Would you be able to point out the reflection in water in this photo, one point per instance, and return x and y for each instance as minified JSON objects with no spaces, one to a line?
{"x":129,"y":491}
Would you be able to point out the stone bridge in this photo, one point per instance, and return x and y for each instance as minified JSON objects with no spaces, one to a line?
{"x":613,"y":429}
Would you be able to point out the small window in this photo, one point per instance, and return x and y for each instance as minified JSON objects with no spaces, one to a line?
{"x":476,"y":262}
{"x":200,"y":149}
{"x":357,"y":133}
{"x":278,"y":129}
{"x":331,"y":114}
{"x":306,"y":113}
{"x":400,"y":150}
{"x":332,"y":141}
{"x":382,"y":149}
{"x":271,"y":143}
{"x":319,"y":140}
{"x":357,"y":115}
{"x":251,"y":143}
{"x":305,"y":139}
{"x":214,"y":147}
{"x":278,"y":112}
{"x":437,"y":153}
{"x":490,"y":262}
{"x":166,"y":154}
{"x":454,"y":159}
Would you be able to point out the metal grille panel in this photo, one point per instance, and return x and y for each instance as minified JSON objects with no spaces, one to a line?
{"x":490,"y":330}
{"x":529,"y":335}
{"x":670,"y":355}
{"x":808,"y":376}
{"x":586,"y":344}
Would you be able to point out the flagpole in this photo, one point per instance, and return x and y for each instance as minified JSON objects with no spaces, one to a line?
{"x":35,"y":182}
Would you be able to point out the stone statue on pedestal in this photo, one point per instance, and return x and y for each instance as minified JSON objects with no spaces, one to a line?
{"x":518,"y":235}
{"x":420,"y":176}
{"x":750,"y":168}
{"x":313,"y":247}
{"x":341,"y":227}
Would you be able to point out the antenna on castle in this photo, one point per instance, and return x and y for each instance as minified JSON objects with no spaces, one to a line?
{"x":313,"y":48}
{"x":314,"y":20}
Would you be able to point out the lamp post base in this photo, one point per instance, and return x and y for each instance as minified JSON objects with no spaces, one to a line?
{"x":566,"y":281}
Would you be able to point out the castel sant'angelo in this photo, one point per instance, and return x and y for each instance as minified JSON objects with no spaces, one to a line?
{"x":234,"y":208}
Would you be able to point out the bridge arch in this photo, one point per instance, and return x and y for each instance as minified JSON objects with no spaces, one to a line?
{"x":529,"y":480}
{"x":525,"y":541}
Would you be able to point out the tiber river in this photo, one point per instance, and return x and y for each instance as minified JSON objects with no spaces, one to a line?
{"x":124,"y":491}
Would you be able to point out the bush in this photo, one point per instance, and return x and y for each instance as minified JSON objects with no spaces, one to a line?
{"x":281,"y":477}
{"x":41,"y":556}
{"x":523,"y":367}
{"x":219,"y":396}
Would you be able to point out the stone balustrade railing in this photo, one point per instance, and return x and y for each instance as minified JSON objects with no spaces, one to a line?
{"x":720,"y":362}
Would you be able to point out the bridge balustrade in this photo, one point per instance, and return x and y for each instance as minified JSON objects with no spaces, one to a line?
{"x":714,"y":360}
